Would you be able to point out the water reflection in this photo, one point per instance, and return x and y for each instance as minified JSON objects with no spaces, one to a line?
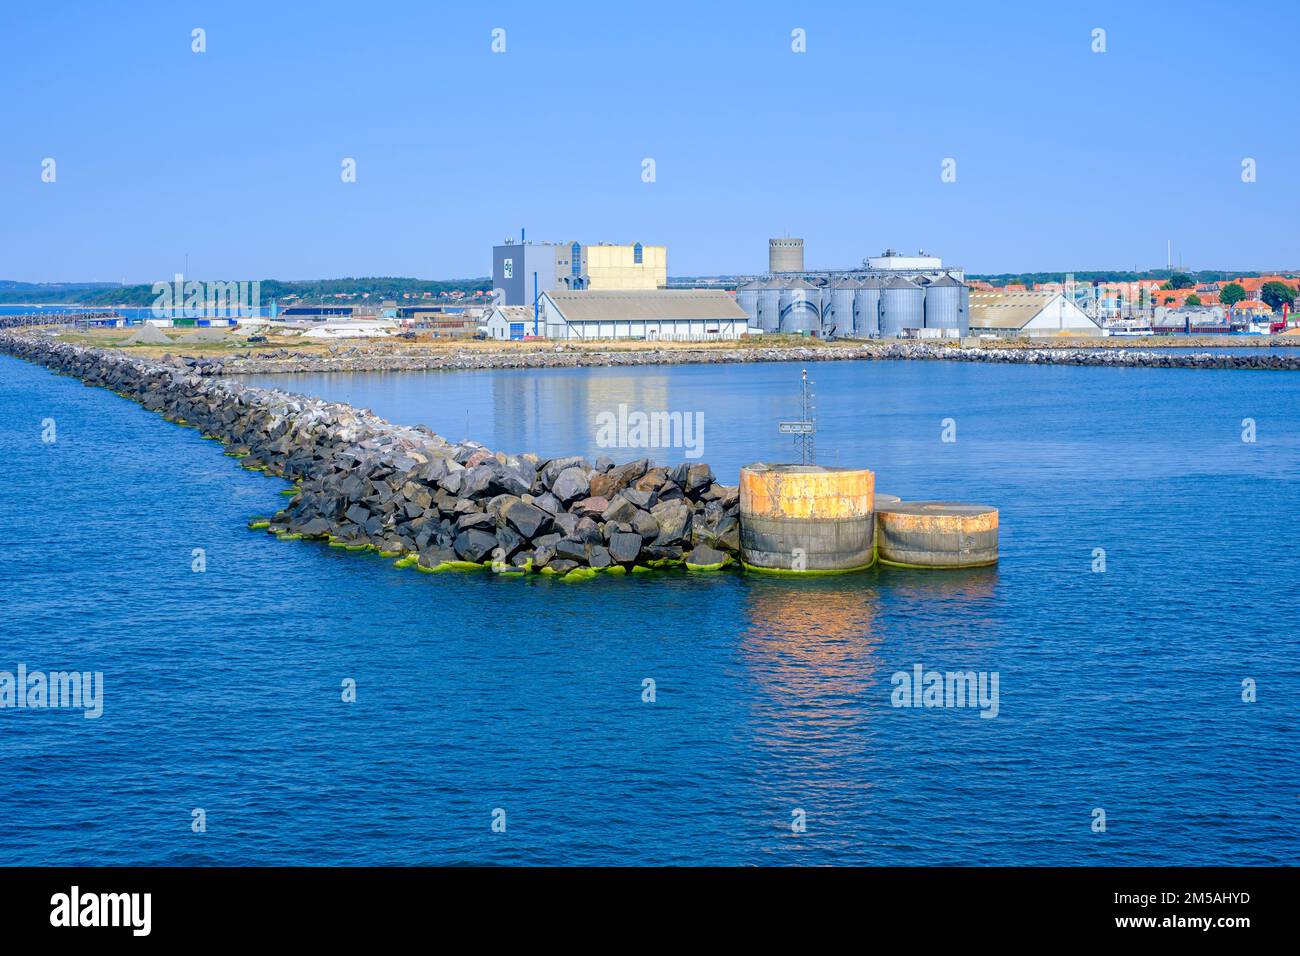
{"x":810,"y":644}
{"x":962,"y":585}
{"x":555,"y":414}
{"x":953,"y":612}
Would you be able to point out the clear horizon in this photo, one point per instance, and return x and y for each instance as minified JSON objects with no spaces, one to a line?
{"x":1066,"y":159}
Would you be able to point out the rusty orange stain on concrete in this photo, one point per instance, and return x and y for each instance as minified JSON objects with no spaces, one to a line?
{"x":806,"y":491}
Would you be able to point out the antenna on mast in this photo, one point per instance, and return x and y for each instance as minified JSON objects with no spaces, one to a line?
{"x":805,"y":430}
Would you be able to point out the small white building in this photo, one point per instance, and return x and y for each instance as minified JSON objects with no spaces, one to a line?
{"x":662,"y":315}
{"x":1028,"y":313}
{"x":506,"y":322}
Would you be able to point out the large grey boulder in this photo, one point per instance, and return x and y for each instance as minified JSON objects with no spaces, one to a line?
{"x":435,"y":471}
{"x":567,"y":524}
{"x":528,"y":520}
{"x":723,"y":535}
{"x":548,"y":503}
{"x":620,"y":509}
{"x":475,"y":544}
{"x":624,"y":547}
{"x":674,"y":518}
{"x":704,"y":556}
{"x":508,"y":542}
{"x":556,"y":466}
{"x":570,"y":485}
{"x":571,"y":550}
{"x":642,"y":499}
{"x":314,"y":528}
{"x":694,"y":477}
{"x":589,"y":531}
{"x":434,"y":556}
{"x":475,"y":519}
{"x":514,"y":477}
{"x":477,"y":480}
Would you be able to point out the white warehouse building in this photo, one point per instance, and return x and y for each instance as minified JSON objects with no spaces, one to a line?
{"x":665,"y":315}
{"x":1028,"y":313}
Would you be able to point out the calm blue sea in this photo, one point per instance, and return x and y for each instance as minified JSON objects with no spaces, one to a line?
{"x":1119,"y":691}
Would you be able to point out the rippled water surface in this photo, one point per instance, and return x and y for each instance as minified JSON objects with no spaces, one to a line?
{"x":1119,"y":690}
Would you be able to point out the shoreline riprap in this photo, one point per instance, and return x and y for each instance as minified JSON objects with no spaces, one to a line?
{"x":364,"y":483}
{"x":288,"y":362}
{"x":392,"y":356}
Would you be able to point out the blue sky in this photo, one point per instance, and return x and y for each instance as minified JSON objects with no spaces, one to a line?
{"x":1065,"y":158}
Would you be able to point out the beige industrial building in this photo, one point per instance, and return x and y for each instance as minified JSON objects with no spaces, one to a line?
{"x":1028,"y":313}
{"x":637,"y":266}
{"x":664,"y":315}
{"x":521,"y":271}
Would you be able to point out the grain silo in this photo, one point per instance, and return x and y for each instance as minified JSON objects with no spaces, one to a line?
{"x":821,"y":297}
{"x":837,"y":306}
{"x":867,"y":308}
{"x":747,"y":299}
{"x":947,"y":305}
{"x":784,"y":255}
{"x":902,"y":307}
{"x":801,"y":312}
{"x":769,"y":304}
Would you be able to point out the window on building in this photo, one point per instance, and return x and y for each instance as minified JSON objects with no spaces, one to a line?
{"x":576,"y":255}
{"x":637,"y":254}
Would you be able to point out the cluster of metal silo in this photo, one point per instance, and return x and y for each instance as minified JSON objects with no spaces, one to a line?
{"x":801,"y":308}
{"x":862,"y":305}
{"x":866,"y":301}
{"x":947,"y":305}
{"x":839,"y":307}
{"x":769,"y":305}
{"x":902,"y":307}
{"x":747,"y":299}
{"x":761,"y":301}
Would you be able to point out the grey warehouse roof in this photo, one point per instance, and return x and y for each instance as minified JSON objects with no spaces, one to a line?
{"x":657,"y":305}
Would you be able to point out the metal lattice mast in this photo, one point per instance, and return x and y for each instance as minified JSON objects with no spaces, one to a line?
{"x":804,"y":430}
{"x":810,"y":416}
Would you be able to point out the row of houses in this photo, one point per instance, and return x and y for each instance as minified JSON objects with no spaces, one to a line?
{"x":1113,"y":297}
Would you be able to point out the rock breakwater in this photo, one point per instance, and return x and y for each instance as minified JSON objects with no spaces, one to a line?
{"x":364,"y":483}
{"x":288,"y":361}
